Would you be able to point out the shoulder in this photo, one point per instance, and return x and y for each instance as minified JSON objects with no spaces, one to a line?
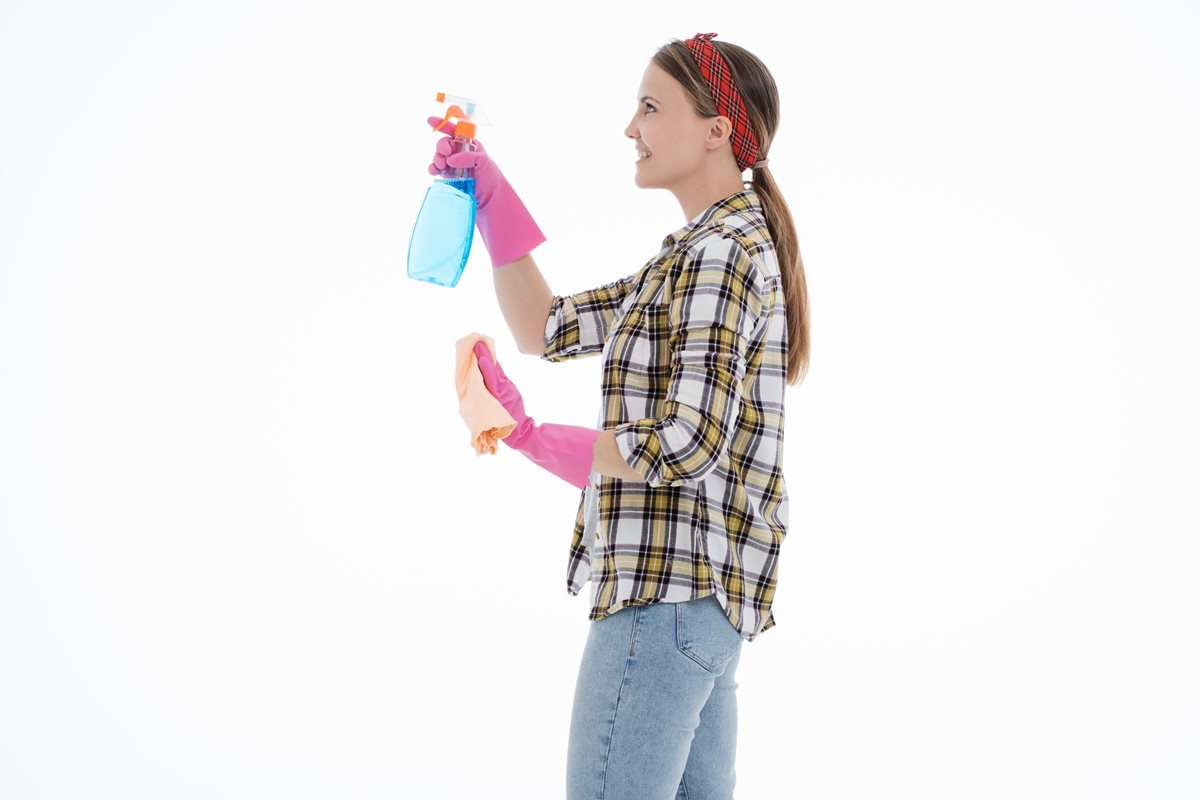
{"x":727,"y":246}
{"x":745,"y":234}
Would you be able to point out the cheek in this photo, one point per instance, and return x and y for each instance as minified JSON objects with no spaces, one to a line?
{"x":659,"y":139}
{"x":663,"y":139}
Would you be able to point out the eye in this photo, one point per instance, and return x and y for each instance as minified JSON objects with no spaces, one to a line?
{"x":648,"y":106}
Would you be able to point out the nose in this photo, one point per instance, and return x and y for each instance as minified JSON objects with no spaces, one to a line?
{"x":630,"y":130}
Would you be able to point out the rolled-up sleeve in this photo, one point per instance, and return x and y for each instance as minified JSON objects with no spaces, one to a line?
{"x":578,"y":324}
{"x":715,"y":307}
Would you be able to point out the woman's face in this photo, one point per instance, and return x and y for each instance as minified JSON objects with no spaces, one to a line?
{"x":666,"y":126}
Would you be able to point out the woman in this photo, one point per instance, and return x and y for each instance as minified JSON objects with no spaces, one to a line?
{"x":684,"y":505}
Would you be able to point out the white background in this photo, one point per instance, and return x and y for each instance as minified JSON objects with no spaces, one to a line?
{"x":246,"y":550}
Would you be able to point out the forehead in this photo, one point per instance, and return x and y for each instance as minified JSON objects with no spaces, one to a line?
{"x":656,"y":82}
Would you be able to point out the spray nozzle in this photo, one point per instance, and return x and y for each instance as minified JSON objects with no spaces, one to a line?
{"x":465,"y":111}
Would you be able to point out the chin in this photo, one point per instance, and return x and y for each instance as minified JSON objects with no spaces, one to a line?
{"x":641,"y":181}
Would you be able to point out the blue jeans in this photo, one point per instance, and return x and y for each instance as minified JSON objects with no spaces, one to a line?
{"x":655,"y":714}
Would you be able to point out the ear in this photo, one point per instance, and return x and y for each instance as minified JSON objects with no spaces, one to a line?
{"x":720,"y":130}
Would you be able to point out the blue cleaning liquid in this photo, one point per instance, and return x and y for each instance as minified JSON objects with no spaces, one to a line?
{"x":442,"y":236}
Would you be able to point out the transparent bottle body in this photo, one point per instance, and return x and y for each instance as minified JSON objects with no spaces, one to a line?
{"x":445,"y":226}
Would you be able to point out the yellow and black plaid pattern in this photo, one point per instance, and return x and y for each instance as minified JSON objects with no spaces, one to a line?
{"x":694,"y":348}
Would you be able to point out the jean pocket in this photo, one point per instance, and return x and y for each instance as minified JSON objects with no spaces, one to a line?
{"x":704,"y":634}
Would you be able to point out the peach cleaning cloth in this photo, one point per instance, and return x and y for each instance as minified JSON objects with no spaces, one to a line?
{"x":486,"y":418}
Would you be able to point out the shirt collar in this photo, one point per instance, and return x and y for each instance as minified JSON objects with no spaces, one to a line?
{"x":745,"y":200}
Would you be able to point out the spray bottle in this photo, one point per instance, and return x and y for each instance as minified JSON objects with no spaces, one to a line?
{"x":445,"y":227}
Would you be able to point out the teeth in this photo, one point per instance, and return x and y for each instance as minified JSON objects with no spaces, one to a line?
{"x":643,"y":155}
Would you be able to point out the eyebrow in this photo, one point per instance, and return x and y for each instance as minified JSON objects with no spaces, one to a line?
{"x":646,"y":97}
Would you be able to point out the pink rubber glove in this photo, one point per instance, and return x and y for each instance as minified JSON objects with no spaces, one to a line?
{"x":565,"y":450}
{"x":508,"y":230}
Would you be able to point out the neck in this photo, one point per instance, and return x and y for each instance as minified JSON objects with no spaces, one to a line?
{"x":706,"y":187}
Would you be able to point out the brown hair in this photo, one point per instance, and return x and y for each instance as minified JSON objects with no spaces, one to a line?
{"x":761,"y":97}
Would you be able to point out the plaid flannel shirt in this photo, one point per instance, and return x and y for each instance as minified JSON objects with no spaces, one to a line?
{"x":694,"y":348}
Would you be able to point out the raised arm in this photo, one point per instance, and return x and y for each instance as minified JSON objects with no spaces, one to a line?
{"x":525,"y":300}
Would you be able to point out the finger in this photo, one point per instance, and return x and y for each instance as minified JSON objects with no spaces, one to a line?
{"x":445,"y":127}
{"x":443,"y":149}
{"x":482,"y":351}
{"x":487,"y":367}
{"x":493,"y":374}
{"x":499,"y":373}
{"x":448,"y":129}
{"x":444,"y":156}
{"x":467,"y":158}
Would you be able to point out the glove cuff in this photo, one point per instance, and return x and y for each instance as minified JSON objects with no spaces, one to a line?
{"x":507,"y":228}
{"x":565,"y":450}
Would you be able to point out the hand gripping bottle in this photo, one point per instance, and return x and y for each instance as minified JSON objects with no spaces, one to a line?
{"x":445,"y":227}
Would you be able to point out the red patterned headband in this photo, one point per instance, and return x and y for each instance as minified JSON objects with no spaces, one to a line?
{"x":729,"y":100}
